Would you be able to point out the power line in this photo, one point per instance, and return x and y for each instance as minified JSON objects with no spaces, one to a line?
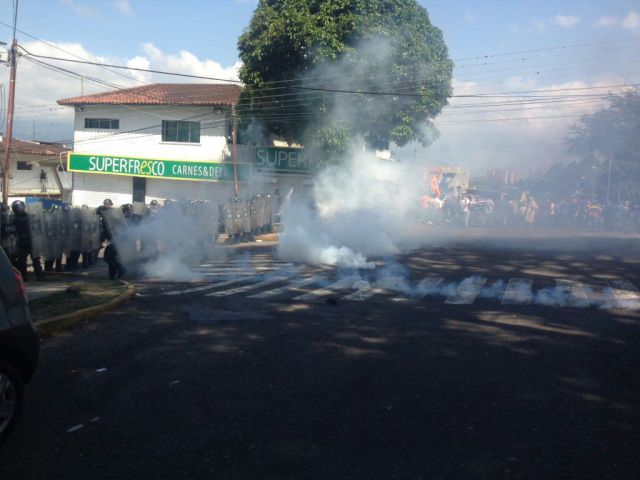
{"x":137,"y":69}
{"x":129,"y":77}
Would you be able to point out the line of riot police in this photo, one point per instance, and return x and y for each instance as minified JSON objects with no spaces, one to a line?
{"x":243,"y":219}
{"x":31,"y":231}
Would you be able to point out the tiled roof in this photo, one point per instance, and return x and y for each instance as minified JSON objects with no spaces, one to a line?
{"x":34,"y":148}
{"x":163,"y":94}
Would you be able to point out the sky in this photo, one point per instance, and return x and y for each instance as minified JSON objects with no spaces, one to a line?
{"x":497,"y":46}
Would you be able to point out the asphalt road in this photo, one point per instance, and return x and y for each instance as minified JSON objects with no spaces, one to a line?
{"x":200,"y":380}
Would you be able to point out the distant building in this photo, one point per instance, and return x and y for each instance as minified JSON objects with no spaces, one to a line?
{"x":173,"y":141}
{"x":504,"y":176}
{"x":36,"y":169}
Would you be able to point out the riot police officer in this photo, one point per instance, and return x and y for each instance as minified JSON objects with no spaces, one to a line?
{"x":8,"y":237}
{"x":24,"y":242}
{"x":104,"y":232}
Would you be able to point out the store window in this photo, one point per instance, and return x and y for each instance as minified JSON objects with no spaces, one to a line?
{"x":102,"y":123}
{"x":24,"y":166}
{"x":180,"y":131}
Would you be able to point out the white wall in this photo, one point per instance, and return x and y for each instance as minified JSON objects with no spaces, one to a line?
{"x":27,"y":182}
{"x":147,"y":143}
{"x":91,"y":189}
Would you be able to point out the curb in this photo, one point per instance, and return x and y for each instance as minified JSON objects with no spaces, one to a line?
{"x":58,"y":324}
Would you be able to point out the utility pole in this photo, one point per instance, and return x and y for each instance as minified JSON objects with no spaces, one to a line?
{"x":12,"y":94}
{"x":234,"y":148}
{"x":609,"y":178}
{"x":9,"y":133}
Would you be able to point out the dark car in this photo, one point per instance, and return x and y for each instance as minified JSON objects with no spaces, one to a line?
{"x":19,"y":345}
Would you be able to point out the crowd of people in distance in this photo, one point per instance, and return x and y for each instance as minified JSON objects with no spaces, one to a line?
{"x":475,"y":208}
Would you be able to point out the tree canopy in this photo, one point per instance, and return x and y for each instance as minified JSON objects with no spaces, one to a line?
{"x":302,"y":59}
{"x":610,"y":138}
{"x":604,"y":141}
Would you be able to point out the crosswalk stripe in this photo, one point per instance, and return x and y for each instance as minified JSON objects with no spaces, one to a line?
{"x":383,"y":285}
{"x":247,"y":288}
{"x":626,"y":295}
{"x":518,"y":292}
{"x":346,"y":282}
{"x":426,"y":286}
{"x":204,"y":288}
{"x":233,"y":271}
{"x":467,"y":291}
{"x":293,"y":286}
{"x":578,"y":293}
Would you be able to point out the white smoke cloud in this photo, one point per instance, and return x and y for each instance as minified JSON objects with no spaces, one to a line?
{"x":360,"y":208}
{"x":607,"y":21}
{"x":630,"y":21}
{"x":124,"y":6}
{"x":38,"y":88}
{"x":566,"y":21}
{"x":524,"y":136}
{"x":80,"y":8}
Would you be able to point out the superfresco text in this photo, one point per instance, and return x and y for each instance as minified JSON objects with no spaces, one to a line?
{"x":128,"y":166}
{"x":156,"y":168}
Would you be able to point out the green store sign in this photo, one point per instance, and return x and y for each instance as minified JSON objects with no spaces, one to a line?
{"x":153,"y":168}
{"x":283,"y":160}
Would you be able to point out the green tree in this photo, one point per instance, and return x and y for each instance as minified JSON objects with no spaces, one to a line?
{"x":609,"y":141}
{"x":295,"y":52}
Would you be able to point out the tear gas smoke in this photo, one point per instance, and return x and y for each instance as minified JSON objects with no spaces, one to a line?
{"x":169,"y":242}
{"x":358,"y":209}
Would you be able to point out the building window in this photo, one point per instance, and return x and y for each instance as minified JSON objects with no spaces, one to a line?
{"x":24,"y":165}
{"x":102,"y":123}
{"x":179,"y":131}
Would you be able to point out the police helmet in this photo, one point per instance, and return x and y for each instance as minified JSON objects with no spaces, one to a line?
{"x":107,"y":202}
{"x":127,"y":208}
{"x":154,"y":203}
{"x":18,"y":207}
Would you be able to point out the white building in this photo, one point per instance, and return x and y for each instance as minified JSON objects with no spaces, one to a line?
{"x":36,"y":169}
{"x":169,"y":141}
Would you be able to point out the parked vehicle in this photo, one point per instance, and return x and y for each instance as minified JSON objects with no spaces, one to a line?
{"x":19,"y":346}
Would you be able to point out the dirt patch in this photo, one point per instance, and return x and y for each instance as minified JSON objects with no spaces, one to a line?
{"x":79,"y":294}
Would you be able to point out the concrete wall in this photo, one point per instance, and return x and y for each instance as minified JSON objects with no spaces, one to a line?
{"x":146,"y":140}
{"x":27,"y":182}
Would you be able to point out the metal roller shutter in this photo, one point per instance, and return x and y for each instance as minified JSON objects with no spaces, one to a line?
{"x":91,"y":189}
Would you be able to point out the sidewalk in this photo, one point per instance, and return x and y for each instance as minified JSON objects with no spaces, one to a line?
{"x":62,"y":300}
{"x":37,"y":290}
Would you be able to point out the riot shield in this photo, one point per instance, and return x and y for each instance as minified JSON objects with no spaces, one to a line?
{"x":246,"y":217}
{"x":229,"y":216}
{"x":88,"y":241}
{"x":64,"y":228}
{"x":52,"y":235}
{"x":114,"y":221}
{"x":268,"y":213}
{"x":8,"y":236}
{"x":94,"y":228}
{"x":139,"y":209}
{"x":254,"y":213}
{"x":36,"y":229}
{"x":212,"y":219}
{"x":76,"y":229}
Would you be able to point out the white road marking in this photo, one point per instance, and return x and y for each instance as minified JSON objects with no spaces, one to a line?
{"x":384,"y":285}
{"x":210,"y":286}
{"x":293,"y":286}
{"x":426,"y":286}
{"x":247,"y":288}
{"x":518,"y":292}
{"x":467,"y":291}
{"x":346,"y":282}
{"x":626,"y":295}
{"x":578,"y":293}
